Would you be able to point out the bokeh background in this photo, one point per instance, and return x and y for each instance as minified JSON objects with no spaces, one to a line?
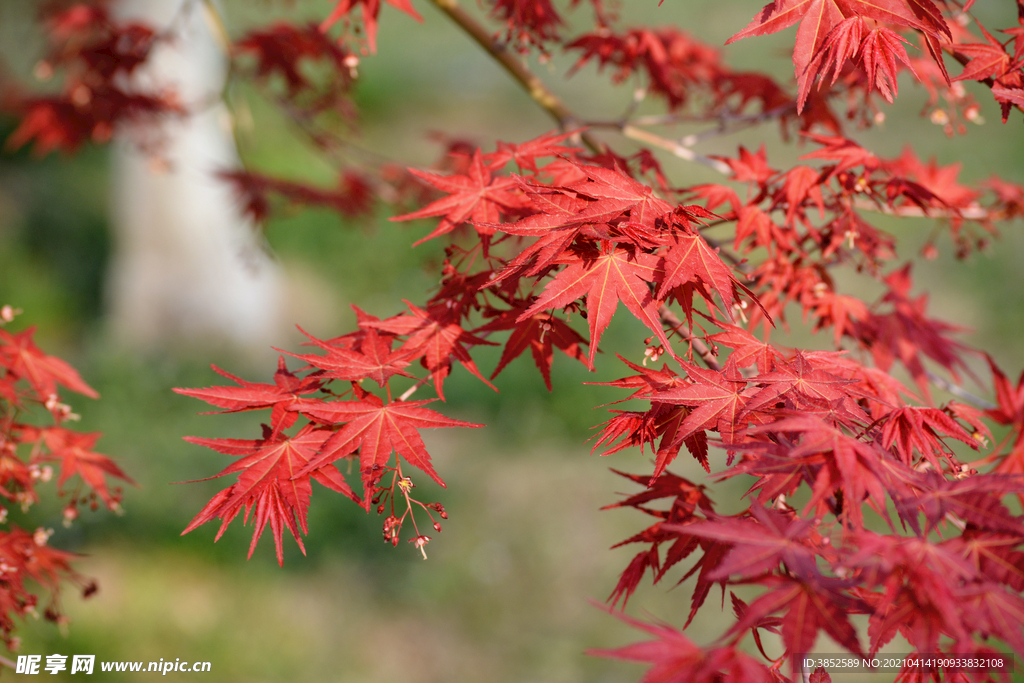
{"x":507,"y":592}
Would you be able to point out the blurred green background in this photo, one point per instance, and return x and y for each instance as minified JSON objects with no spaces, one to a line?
{"x":505,"y":594}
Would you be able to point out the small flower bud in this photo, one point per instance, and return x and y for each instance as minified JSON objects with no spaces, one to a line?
{"x":7,"y":313}
{"x":43,"y":70}
{"x":420,"y":542}
{"x":41,"y":536}
{"x":70,"y":514}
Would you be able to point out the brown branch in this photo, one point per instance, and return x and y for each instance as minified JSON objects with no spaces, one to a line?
{"x":683,"y":330}
{"x":557,"y":109}
{"x":973,"y":213}
{"x":724,"y":124}
{"x":538,"y":92}
{"x":960,"y":392}
{"x":676,"y":148}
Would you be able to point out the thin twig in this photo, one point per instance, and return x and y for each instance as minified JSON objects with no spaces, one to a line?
{"x":974,"y":213}
{"x":959,"y":392}
{"x":683,"y":330}
{"x":539,"y":92}
{"x":681,"y":151}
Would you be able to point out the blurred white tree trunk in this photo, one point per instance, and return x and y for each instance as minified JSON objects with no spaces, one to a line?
{"x":187,"y":266}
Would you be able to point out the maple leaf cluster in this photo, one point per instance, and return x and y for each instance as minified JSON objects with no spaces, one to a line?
{"x":274,"y":485}
{"x":96,"y":55}
{"x":835,"y":34}
{"x":866,"y":495}
{"x":29,"y":380}
{"x":564,"y":236}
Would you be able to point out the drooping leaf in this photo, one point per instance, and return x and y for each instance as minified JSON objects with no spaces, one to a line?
{"x":475,"y":198}
{"x":273,"y":484}
{"x":23,"y":359}
{"x":539,"y":333}
{"x":74,"y":451}
{"x":605,"y":278}
{"x":371,"y":9}
{"x":286,"y":389}
{"x":375,"y":429}
{"x":374,"y":359}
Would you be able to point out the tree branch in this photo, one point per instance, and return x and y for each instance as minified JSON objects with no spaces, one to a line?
{"x":973,"y":213}
{"x":959,"y":392}
{"x":678,"y":149}
{"x":679,"y":327}
{"x":538,"y":92}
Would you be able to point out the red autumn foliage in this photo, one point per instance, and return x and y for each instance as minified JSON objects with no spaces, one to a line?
{"x":29,"y":380}
{"x":860,"y":500}
{"x":97,"y":55}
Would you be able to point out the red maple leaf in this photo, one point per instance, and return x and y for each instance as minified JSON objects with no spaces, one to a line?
{"x":528,"y":20}
{"x":820,"y":675}
{"x":718,"y":398}
{"x":976,"y":500}
{"x":993,"y":554}
{"x":688,"y":498}
{"x":674,"y":658}
{"x":771,"y":624}
{"x":649,"y":379}
{"x":812,"y":384}
{"x":375,"y":430}
{"x":846,"y":153}
{"x":25,"y":555}
{"x":274,"y":480}
{"x":286,"y":389}
{"x":940,"y":181}
{"x":541,"y":334}
{"x":526,"y":154}
{"x":476,"y":198}
{"x":371,"y":8}
{"x":987,"y":60}
{"x":1007,"y":96}
{"x":605,"y":278}
{"x":907,"y":334}
{"x":612,"y":194}
{"x":877,"y":49}
{"x":747,"y":349}
{"x":812,"y":603}
{"x":688,"y":258}
{"x":638,"y":429}
{"x":849,"y":464}
{"x":374,"y":360}
{"x":436,"y":336}
{"x":759,"y":546}
{"x":991,"y":609}
{"x":750,"y":167}
{"x":818,"y":17}
{"x":281,"y":48}
{"x":74,"y":451}
{"x":24,"y":360}
{"x":918,"y":428}
{"x":1010,"y":408}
